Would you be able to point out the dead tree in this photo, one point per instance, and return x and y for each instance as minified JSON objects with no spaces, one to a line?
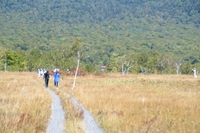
{"x":125,"y":67}
{"x":178,"y":65}
{"x":78,"y":62}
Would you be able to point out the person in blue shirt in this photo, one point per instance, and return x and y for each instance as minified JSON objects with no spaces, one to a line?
{"x":56,"y":78}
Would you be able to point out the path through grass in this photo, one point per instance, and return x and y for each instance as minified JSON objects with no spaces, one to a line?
{"x":140,"y":103}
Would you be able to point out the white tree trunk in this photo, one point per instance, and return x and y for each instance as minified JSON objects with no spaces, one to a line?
{"x":142,"y":70}
{"x":78,"y":62}
{"x":178,"y":65}
{"x":125,"y":67}
{"x":194,"y":72}
{"x":123,"y":71}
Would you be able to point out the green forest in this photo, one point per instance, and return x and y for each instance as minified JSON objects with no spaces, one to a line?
{"x":128,"y":36}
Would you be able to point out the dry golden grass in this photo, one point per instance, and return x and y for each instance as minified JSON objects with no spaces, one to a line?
{"x":140,"y":103}
{"x":120,"y":104}
{"x":24,"y":103}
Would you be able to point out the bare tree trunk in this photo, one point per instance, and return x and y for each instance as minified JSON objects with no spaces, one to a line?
{"x":78,"y":62}
{"x":194,"y":72}
{"x":125,"y":67}
{"x":177,"y":68}
{"x":178,"y":65}
{"x":142,"y":70}
{"x":123,"y":71}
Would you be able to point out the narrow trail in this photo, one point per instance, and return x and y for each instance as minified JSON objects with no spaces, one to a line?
{"x":57,"y":120}
{"x":90,"y":125}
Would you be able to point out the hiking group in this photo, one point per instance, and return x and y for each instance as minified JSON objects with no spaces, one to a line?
{"x":56,"y":76}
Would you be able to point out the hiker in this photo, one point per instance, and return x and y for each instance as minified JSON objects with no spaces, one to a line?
{"x":41,"y":72}
{"x":46,"y":78}
{"x":38,"y":72}
{"x":56,"y":70}
{"x":56,"y":78}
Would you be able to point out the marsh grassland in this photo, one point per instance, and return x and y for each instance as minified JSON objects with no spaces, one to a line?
{"x":25,"y":106}
{"x":140,"y":103}
{"x":120,"y":104}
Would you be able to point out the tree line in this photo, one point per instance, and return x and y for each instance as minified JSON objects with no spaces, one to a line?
{"x":66,"y":58}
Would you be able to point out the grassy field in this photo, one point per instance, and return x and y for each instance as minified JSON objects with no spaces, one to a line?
{"x":120,"y":104}
{"x":25,"y":106}
{"x":140,"y":103}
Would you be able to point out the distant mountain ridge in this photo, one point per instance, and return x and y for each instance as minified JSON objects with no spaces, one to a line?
{"x":93,"y":10}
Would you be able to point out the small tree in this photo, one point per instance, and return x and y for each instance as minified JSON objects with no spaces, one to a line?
{"x":89,"y":67}
{"x":76,"y":48}
{"x":14,"y":61}
{"x":78,"y":62}
{"x":127,"y":63}
{"x":178,"y":64}
{"x":113,"y":63}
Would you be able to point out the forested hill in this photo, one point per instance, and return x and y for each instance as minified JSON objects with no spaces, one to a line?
{"x":105,"y":26}
{"x":91,"y":11}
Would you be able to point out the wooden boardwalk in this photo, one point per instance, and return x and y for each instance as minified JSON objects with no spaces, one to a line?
{"x":56,"y":123}
{"x":90,"y":124}
{"x":57,"y":120}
